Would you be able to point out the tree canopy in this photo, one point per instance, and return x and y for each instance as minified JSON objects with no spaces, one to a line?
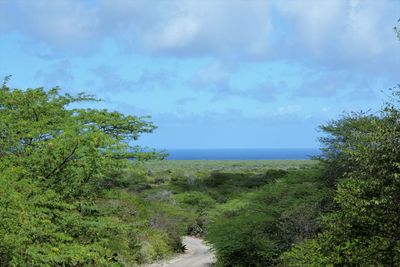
{"x":365,"y":228}
{"x":56,"y":161}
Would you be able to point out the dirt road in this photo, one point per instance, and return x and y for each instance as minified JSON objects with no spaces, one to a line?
{"x":197,"y":254}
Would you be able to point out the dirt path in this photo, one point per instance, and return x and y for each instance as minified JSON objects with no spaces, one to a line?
{"x":197,"y":254}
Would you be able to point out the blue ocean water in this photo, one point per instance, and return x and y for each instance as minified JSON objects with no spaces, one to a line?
{"x":241,"y":154}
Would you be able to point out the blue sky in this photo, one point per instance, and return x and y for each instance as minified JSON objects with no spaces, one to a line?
{"x":212,"y":74}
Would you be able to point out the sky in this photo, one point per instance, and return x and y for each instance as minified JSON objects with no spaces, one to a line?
{"x":211,"y":74}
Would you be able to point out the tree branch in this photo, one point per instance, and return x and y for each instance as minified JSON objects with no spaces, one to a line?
{"x":63,"y":163}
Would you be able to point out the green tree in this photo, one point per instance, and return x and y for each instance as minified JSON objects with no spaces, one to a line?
{"x":61,"y":146}
{"x":339,"y":136}
{"x":365,"y":229}
{"x":55,"y":162}
{"x":256,"y":228}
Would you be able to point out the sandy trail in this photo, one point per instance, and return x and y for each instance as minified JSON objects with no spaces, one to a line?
{"x":197,"y":254}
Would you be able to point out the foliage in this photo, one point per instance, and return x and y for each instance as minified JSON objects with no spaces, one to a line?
{"x":254,"y":229}
{"x":338,"y":137}
{"x":199,"y":200}
{"x":57,"y":163}
{"x":364,"y":230}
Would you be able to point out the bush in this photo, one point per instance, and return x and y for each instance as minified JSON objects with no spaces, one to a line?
{"x":255,"y":229}
{"x":199,"y":201}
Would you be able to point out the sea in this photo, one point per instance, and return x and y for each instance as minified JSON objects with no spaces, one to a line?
{"x":242,"y":154}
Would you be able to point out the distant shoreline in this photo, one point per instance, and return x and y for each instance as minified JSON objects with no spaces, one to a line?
{"x":243,"y":154}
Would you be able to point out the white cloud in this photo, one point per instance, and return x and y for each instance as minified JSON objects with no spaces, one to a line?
{"x":368,"y":30}
{"x":177,"y":34}
{"x":234,"y":29}
{"x":316,"y":21}
{"x":342,"y":32}
{"x":216,"y":28}
{"x":63,"y":24}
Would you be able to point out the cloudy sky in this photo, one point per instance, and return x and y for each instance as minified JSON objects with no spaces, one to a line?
{"x":212,"y":74}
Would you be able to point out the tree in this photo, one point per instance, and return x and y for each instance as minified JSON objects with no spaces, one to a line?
{"x":340,"y":136}
{"x":365,"y":229}
{"x":55,"y":161}
{"x":256,"y":228}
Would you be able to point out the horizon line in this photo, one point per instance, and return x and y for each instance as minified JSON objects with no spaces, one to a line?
{"x":237,"y":148}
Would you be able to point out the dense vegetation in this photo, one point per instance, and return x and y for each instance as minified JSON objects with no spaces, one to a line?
{"x":255,"y":228}
{"x":203,"y":191}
